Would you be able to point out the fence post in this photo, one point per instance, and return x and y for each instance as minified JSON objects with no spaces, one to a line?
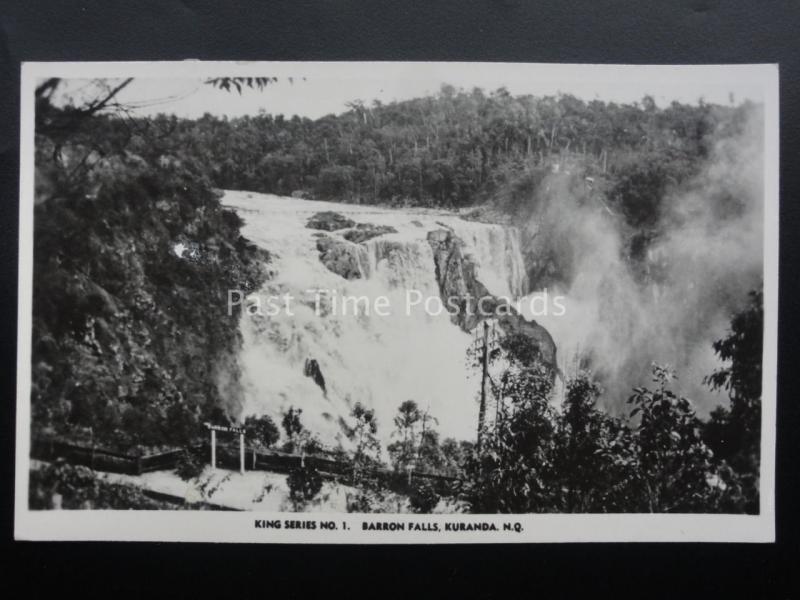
{"x":213,"y":449}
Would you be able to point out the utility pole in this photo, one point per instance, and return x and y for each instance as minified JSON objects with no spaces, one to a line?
{"x":484,"y":377}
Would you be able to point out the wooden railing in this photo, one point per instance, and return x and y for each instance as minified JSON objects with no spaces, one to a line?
{"x":276,"y":461}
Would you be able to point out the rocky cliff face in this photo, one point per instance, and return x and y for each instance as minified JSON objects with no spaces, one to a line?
{"x":339,"y":256}
{"x":456,"y":275}
{"x":132,"y":340}
{"x":345,"y":255}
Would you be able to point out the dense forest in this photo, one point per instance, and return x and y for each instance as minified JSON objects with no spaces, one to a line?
{"x":118,"y":358}
{"x":456,"y":149}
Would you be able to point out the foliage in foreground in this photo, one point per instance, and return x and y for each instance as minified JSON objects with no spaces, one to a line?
{"x":660,"y":458}
{"x":133,"y":258}
{"x":305,"y":483}
{"x":65,"y":486}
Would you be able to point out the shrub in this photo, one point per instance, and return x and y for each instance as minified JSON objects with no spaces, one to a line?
{"x":189,"y":465}
{"x":423,"y":498}
{"x":61,"y":485}
{"x":304,"y":484}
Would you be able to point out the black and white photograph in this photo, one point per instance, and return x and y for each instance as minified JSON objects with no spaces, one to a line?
{"x":397,"y":302}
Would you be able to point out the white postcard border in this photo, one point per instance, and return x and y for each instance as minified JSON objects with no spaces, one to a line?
{"x":215,"y":526}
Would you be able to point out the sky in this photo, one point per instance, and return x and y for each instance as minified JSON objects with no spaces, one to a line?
{"x":317,"y":89}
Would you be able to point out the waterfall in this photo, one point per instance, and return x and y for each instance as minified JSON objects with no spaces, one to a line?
{"x":379,"y":361}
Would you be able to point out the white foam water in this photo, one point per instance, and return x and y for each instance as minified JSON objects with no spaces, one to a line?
{"x":379,"y":361}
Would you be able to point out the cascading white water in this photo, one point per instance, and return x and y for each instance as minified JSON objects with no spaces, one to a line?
{"x":379,"y":361}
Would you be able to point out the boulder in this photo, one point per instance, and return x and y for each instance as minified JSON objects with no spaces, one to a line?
{"x":367,"y":231}
{"x":515,"y":323}
{"x":311,"y":369}
{"x":340,"y":256}
{"x":329,"y":220}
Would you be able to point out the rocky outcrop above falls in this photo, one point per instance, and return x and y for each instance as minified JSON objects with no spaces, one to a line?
{"x":329,"y":220}
{"x":339,"y":256}
{"x":344,"y":256}
{"x":367,"y":231}
{"x":459,"y":286}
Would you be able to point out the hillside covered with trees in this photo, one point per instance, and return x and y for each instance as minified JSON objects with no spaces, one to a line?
{"x":492,"y":152}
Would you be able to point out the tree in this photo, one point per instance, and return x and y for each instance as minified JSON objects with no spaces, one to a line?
{"x":455,"y":454}
{"x":484,"y":351}
{"x":429,"y":454}
{"x":59,"y":123}
{"x":362,"y":433}
{"x":734,"y":433}
{"x":590,"y":481}
{"x":262,"y":430}
{"x":743,"y":348}
{"x":416,"y":450}
{"x":365,"y":458}
{"x":239,"y":83}
{"x":513,"y":471}
{"x":672,"y":468}
{"x":298,"y":438}
{"x":404,"y":450}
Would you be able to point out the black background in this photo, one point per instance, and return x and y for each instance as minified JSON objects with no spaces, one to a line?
{"x":596,"y":31}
